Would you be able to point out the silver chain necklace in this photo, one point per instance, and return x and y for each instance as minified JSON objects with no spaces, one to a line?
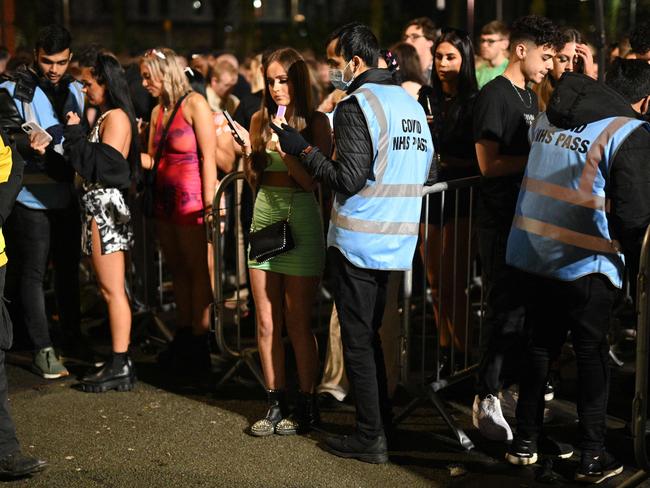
{"x":514,"y":87}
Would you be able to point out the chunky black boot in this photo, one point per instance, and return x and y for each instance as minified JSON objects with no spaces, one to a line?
{"x":199,"y":362}
{"x":304,"y":417}
{"x":277,"y":401}
{"x":117,"y":373}
{"x":177,"y":351}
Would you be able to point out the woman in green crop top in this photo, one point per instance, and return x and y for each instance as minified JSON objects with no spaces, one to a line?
{"x":284,"y":288}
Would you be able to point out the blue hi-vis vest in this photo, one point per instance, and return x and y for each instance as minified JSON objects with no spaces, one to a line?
{"x":39,"y":191}
{"x":560,"y":228}
{"x":377,"y":228}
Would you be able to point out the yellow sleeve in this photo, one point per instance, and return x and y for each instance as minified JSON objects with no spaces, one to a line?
{"x":5,"y":162}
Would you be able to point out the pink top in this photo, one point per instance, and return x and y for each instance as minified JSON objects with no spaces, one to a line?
{"x":179,"y":196}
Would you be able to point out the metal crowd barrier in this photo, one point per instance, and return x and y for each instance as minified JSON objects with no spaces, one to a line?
{"x":640,"y":402}
{"x":231,"y":356}
{"x":437,"y":370}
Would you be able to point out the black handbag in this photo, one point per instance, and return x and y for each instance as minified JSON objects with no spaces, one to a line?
{"x":272,"y":240}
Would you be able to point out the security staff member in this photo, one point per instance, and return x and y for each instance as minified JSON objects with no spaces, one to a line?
{"x":46,"y":217}
{"x":13,"y":464}
{"x":383,"y":156}
{"x":588,"y":142}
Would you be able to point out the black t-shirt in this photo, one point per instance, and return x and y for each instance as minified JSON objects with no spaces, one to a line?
{"x":503,"y":113}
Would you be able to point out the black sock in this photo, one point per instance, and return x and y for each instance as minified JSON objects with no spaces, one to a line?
{"x":119,"y":358}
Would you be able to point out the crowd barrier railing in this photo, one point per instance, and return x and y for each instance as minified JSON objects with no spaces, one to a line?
{"x":456,"y":301}
{"x":640,"y":402}
{"x":231,"y":353}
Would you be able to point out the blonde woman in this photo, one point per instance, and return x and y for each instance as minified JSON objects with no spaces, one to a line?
{"x":185,"y":181}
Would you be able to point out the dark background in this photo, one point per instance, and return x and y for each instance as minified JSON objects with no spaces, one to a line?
{"x":129,"y":26}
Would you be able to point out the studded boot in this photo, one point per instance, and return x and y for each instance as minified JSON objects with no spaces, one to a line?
{"x":277,"y":402}
{"x":304,"y":417}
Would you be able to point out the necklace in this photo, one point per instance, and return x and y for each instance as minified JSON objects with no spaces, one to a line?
{"x":530,"y":99}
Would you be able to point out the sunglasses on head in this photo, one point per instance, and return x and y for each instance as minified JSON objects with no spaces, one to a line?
{"x":155,"y":52}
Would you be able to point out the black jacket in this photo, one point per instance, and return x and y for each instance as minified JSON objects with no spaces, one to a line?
{"x":347,"y":174}
{"x":95,"y":162}
{"x":578,"y":100}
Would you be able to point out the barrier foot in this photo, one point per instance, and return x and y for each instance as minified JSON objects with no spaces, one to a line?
{"x":408,"y":410}
{"x":459,"y":433}
{"x":140,"y":330}
{"x":246,"y":358}
{"x":634,"y":480}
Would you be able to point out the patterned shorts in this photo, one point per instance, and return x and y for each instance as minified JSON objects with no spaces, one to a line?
{"x":108,"y":208}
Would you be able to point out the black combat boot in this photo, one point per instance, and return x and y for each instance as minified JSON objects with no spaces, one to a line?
{"x":117,"y":373}
{"x":304,"y":417}
{"x":277,"y":402}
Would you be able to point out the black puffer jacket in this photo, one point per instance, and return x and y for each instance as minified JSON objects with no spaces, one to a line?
{"x":578,"y":100}
{"x":353,"y":145}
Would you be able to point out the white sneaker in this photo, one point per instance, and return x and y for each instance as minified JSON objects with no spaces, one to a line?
{"x":488,"y":418}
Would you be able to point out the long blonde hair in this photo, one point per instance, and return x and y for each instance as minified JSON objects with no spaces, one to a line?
{"x":163,"y":65}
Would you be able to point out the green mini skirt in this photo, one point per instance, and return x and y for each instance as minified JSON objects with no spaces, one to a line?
{"x":307,"y":258}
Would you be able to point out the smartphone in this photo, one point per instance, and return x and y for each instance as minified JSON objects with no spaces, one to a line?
{"x":33,"y":128}
{"x":231,"y":124}
{"x":578,"y":64}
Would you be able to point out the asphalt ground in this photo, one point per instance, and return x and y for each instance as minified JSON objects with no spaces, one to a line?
{"x":180,"y":432}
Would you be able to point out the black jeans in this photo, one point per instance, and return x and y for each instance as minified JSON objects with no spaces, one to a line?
{"x":360,"y":297}
{"x":33,"y":235}
{"x":504,"y":331}
{"x":8,"y":440}
{"x":553,"y":308}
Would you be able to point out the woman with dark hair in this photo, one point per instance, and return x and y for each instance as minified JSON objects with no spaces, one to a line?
{"x":572,"y":54}
{"x":448,"y":103}
{"x":104,"y":162}
{"x":284,"y":287}
{"x":409,"y":73}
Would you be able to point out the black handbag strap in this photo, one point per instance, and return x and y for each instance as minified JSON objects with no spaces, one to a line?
{"x":163,"y":137}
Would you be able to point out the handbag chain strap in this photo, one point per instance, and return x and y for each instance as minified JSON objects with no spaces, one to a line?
{"x":254,"y":228}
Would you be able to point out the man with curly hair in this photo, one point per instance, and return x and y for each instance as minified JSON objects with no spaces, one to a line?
{"x":504,"y":110}
{"x":640,"y":41}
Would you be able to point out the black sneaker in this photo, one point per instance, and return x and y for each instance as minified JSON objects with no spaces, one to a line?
{"x":596,"y":467}
{"x":353,"y":446}
{"x":548,"y":446}
{"x":522,"y":452}
{"x":17,"y":465}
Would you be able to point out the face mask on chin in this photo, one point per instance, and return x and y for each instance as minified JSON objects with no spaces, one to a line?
{"x":337,"y":75}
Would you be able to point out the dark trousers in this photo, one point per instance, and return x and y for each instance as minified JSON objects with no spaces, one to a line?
{"x":32,"y":236}
{"x":553,"y":308}
{"x":360,"y":297}
{"x":504,"y":332}
{"x":8,"y":440}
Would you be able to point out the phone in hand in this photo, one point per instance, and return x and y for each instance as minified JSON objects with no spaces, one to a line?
{"x":30,"y":128}
{"x":231,"y":124}
{"x":578,"y":64}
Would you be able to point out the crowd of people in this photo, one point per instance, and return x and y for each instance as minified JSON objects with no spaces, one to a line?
{"x":91,"y":145}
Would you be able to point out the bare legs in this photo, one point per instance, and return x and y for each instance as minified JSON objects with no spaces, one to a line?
{"x":109,"y":269}
{"x":285,"y":300}
{"x":185,"y":250}
{"x":450,"y":297}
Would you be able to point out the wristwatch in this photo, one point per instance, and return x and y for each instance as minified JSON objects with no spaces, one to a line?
{"x":303,"y":154}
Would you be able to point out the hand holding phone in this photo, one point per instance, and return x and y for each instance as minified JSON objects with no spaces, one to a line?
{"x":36,"y":132}
{"x":235,"y":134}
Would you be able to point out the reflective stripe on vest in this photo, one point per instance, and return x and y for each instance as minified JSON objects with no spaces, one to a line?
{"x":560,"y":227}
{"x":377,"y":227}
